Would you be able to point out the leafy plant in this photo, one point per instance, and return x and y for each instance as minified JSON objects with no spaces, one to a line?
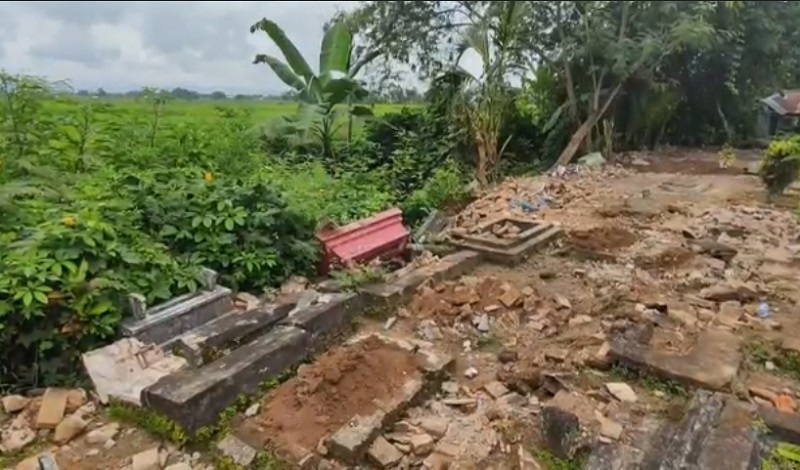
{"x":781,"y":164}
{"x":321,"y":93}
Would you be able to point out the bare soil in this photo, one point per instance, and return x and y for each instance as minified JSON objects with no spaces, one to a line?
{"x":601,"y":239}
{"x":341,"y":384}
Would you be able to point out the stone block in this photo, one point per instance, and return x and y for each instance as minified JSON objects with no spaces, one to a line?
{"x":235,"y":326}
{"x":681,"y":445}
{"x":195,"y":398}
{"x":164,"y":322}
{"x":784,"y":426}
{"x":330,"y":315}
{"x":241,"y":453}
{"x":350,"y":442}
{"x":733,"y":442}
{"x":398,"y":291}
{"x":712,"y":363}
{"x":383,"y":454}
{"x":124,"y":368}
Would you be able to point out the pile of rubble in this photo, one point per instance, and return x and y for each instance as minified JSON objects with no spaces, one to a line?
{"x":525,"y":196}
{"x":64,"y":428}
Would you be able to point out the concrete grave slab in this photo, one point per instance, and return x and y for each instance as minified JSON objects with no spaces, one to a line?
{"x":712,"y":363}
{"x":509,"y":249}
{"x":195,"y":398}
{"x":329,"y":316}
{"x":716,"y":432}
{"x":233,"y":327}
{"x":123,"y":369}
{"x":164,"y":322}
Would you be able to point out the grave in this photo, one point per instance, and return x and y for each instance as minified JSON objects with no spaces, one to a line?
{"x":192,"y":357}
{"x":506,"y":240}
{"x":337,"y":406}
{"x":164,"y":322}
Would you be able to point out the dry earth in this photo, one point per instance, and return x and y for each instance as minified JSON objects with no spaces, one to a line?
{"x":662,"y":258}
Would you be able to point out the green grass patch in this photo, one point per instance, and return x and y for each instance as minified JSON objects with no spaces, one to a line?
{"x":552,"y":462}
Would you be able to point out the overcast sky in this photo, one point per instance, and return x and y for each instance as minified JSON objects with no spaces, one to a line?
{"x":126,"y":45}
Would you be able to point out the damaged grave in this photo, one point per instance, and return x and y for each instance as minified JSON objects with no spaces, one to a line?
{"x":336,"y":407}
{"x":507,"y":239}
{"x":193,"y":361}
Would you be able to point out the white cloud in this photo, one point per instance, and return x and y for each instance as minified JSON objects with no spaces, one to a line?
{"x":127,"y":45}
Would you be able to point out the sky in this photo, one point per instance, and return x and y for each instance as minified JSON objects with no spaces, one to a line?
{"x":121,"y":46}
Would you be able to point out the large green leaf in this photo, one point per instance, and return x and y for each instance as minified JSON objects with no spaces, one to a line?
{"x":335,"y":52}
{"x":288,"y":49}
{"x":281,"y":70}
{"x":338,"y":89}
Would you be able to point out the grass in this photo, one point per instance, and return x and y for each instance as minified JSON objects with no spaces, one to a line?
{"x":180,"y":110}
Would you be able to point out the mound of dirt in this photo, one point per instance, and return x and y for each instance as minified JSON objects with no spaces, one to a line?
{"x":601,"y":239}
{"x":669,"y":257}
{"x":324,"y":396}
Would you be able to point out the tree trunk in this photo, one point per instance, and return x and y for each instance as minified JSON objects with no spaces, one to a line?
{"x":587,"y":126}
{"x":482,"y":163}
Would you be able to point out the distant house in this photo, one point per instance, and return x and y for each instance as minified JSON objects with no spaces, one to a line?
{"x":781,"y":113}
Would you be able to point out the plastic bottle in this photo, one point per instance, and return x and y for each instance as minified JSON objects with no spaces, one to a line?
{"x":763,"y":310}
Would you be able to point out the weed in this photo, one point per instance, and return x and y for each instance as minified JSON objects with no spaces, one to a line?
{"x":150,"y":421}
{"x":489,"y":343}
{"x":356,"y":276}
{"x":783,"y":456}
{"x":551,"y":462}
{"x":649,"y":382}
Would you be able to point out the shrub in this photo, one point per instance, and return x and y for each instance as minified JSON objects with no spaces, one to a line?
{"x":345,"y":198}
{"x":781,"y":164}
{"x":446,"y":186}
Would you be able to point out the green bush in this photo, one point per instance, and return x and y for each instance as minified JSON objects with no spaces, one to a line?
{"x":446,"y":186}
{"x":309,"y":188}
{"x":780,"y":166}
{"x":98,"y":202}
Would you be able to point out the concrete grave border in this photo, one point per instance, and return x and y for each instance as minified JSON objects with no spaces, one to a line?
{"x":195,"y":397}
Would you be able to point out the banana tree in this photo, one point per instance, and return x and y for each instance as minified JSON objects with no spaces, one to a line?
{"x":480,"y":101}
{"x":323,"y":93}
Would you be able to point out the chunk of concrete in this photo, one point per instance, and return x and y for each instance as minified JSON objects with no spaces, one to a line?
{"x":123,"y":369}
{"x":241,"y":453}
{"x":166,"y":321}
{"x":401,"y":289}
{"x":195,"y":398}
{"x":561,"y":431}
{"x":233,"y":327}
{"x":383,"y":453}
{"x":733,"y":443}
{"x":350,"y":442}
{"x":712,"y":363}
{"x":681,"y":444}
{"x":785,"y":426}
{"x":715,"y":432}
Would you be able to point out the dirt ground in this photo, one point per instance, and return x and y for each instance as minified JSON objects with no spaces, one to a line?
{"x":643,"y":245}
{"x":325,"y":395}
{"x":639,"y":248}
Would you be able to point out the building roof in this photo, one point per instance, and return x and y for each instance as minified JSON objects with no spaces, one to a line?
{"x":786,"y":103}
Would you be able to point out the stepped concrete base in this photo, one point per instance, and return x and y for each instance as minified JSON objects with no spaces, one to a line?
{"x":236,"y":327}
{"x":166,"y":321}
{"x":195,"y":398}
